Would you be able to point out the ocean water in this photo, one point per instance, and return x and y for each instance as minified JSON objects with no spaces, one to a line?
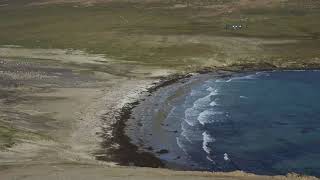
{"x":263,"y":123}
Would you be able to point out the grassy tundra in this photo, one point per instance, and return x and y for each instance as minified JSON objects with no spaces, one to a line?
{"x":65,"y":64}
{"x":171,"y":33}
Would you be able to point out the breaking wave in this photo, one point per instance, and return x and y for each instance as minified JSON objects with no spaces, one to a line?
{"x":207,"y":138}
{"x":192,"y":113}
{"x":207,"y":116}
{"x":199,"y":105}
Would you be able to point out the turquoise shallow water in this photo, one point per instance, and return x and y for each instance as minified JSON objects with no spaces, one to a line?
{"x":264,"y":123}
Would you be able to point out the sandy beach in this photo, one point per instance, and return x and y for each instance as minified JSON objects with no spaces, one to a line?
{"x":65,"y":115}
{"x":73,"y":102}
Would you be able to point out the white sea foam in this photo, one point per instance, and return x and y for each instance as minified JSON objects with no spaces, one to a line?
{"x":192,"y":113}
{"x":210,"y":89}
{"x":180,"y":144}
{"x":264,"y":73}
{"x":214,"y":92}
{"x":220,"y":80}
{"x":207,"y":138}
{"x":185,"y":132}
{"x":172,"y":112}
{"x":193,"y":92}
{"x":209,"y":158}
{"x":185,"y":135}
{"x":206,"y":148}
{"x":202,"y":102}
{"x":205,"y":116}
{"x":251,"y":76}
{"x":243,"y":97}
{"x":213,"y":103}
{"x":226,"y":157}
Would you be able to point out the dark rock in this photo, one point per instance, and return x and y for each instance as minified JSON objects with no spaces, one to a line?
{"x":163,"y":151}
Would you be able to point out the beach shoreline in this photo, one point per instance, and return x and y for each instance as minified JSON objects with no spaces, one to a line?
{"x":122,"y":96}
{"x":127,"y":153}
{"x":126,"y":115}
{"x":77,"y":135}
{"x":72,"y":72}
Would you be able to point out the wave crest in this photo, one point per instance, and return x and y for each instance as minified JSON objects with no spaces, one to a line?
{"x":206,"y":116}
{"x":207,"y":138}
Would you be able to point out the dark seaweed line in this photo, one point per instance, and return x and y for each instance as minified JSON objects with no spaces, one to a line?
{"x":118,"y":147}
{"x":126,"y":154}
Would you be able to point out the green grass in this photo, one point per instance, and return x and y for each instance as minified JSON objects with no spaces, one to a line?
{"x":9,"y":136}
{"x":146,"y":33}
